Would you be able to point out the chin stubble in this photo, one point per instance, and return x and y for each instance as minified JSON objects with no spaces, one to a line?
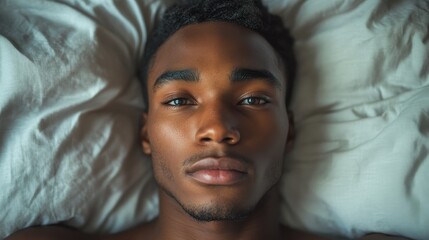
{"x":213,"y":211}
{"x":209,"y":212}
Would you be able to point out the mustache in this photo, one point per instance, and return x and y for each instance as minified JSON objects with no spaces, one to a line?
{"x":215,"y":154}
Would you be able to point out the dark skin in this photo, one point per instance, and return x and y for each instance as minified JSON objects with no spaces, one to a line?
{"x":226,"y":117}
{"x":217,"y":130}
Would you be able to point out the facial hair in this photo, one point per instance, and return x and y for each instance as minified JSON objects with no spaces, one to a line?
{"x":208,"y":212}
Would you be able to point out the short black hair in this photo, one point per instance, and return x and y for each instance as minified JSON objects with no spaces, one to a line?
{"x":251,"y":14}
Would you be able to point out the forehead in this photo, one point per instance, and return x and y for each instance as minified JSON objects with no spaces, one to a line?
{"x":215,"y":48}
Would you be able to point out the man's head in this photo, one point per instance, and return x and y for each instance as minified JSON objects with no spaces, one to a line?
{"x":217,"y":124}
{"x":250,"y":14}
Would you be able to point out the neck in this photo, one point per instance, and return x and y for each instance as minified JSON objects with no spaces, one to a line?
{"x":174,"y":223}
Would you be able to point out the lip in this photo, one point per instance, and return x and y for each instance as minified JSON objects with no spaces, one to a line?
{"x":218,"y":171}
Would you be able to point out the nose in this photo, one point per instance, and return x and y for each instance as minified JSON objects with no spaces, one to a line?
{"x":218,"y":126}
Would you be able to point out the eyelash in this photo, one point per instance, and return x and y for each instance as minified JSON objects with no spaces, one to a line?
{"x":186,"y":101}
{"x":264,"y":100}
{"x":170,"y":102}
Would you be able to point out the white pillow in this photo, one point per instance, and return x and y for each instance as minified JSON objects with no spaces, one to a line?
{"x":70,"y":109}
{"x":70,"y":115}
{"x":360,"y":162}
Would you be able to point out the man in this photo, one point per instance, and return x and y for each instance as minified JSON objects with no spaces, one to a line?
{"x":217,"y":78}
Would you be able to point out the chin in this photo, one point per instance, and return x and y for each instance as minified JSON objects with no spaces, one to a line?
{"x":215,"y":211}
{"x":214,"y":204}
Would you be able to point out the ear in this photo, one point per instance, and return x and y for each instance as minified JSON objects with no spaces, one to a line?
{"x":291,"y":132}
{"x":144,"y":136}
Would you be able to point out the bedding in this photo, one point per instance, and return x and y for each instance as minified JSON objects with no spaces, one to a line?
{"x":70,"y":106}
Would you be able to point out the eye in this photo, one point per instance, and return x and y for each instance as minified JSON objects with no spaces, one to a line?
{"x":177,"y":102}
{"x":254,"y":101}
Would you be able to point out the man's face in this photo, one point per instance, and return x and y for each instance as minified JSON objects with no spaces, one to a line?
{"x":217,"y":124}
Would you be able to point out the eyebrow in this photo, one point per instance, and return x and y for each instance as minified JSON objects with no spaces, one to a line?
{"x":187,"y":75}
{"x":237,"y":75}
{"x":245,"y":74}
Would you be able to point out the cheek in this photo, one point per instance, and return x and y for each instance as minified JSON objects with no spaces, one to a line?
{"x":270,"y":134}
{"x":165,"y":153}
{"x":161,"y":168}
{"x":167,"y":134}
{"x":168,"y":143}
{"x":269,"y":146}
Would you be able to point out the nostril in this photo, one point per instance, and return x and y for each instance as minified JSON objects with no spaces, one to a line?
{"x":205,"y":139}
{"x":230,"y":140}
{"x":218,"y":136}
{"x":225,"y":140}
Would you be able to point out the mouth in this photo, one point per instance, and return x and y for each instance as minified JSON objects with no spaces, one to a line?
{"x":218,"y":171}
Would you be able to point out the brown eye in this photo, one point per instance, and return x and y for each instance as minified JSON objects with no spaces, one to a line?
{"x":254,"y":101}
{"x":179,"y":102}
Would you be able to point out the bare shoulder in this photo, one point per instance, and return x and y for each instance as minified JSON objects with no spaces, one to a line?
{"x":50,"y":232}
{"x":65,"y":233}
{"x":290,"y":233}
{"x":375,"y":236}
{"x":143,"y":231}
